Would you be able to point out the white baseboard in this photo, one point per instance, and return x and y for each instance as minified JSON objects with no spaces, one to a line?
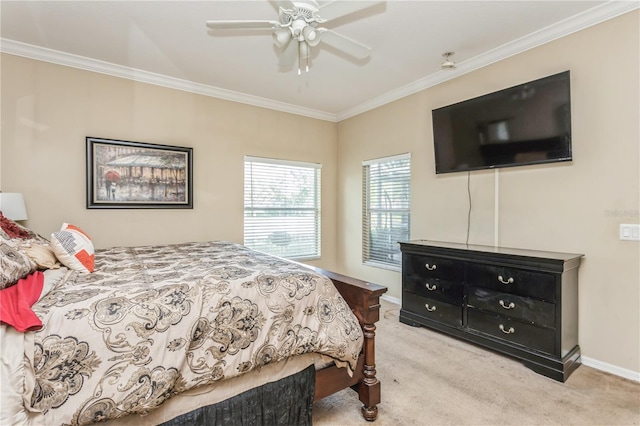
{"x":589,"y":362}
{"x":613,"y":369}
{"x":391,"y":299}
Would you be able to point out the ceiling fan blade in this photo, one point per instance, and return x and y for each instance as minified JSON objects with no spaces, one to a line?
{"x":344,"y":44}
{"x":338,"y":8}
{"x":288,"y":56}
{"x":243,"y":25}
{"x":285,"y":4}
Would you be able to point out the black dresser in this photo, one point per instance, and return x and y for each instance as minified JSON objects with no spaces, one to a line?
{"x":522,"y":303}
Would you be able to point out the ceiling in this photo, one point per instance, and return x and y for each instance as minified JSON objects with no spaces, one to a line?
{"x":167,"y":43}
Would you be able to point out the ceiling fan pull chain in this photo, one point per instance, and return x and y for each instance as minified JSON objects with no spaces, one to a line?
{"x":303,"y":55}
{"x":299,"y":57}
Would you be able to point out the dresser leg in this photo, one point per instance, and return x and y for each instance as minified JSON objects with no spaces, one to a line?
{"x":408,"y":321}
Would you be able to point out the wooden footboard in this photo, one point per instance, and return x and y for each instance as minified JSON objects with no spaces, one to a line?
{"x":364,"y":300}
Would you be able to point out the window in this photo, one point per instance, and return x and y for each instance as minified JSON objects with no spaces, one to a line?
{"x":282,"y":207}
{"x":385,"y":210}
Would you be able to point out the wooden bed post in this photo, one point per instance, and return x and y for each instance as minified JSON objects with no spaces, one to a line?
{"x":364,"y":300}
{"x":369,"y":388}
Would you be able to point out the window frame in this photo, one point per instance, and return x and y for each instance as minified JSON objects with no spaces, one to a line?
{"x":367,"y":211}
{"x":316,"y":209}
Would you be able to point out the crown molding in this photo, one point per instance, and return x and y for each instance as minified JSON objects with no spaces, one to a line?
{"x":588,"y":18}
{"x":570,"y":25}
{"x":61,"y":58}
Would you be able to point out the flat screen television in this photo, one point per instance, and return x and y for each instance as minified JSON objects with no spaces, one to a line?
{"x":525,"y":124}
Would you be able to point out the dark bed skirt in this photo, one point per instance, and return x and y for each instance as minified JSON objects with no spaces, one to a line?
{"x":288,"y":401}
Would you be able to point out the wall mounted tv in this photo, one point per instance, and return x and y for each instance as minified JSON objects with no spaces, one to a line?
{"x":525,"y":124}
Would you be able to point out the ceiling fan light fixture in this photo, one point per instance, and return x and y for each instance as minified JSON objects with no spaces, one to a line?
{"x":281,"y":37}
{"x":311,"y":35}
{"x":448,"y":64}
{"x":298,"y":21}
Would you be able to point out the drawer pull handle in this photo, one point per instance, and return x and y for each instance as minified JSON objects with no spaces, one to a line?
{"x":430,"y":287}
{"x":509,"y":331}
{"x":509,"y":306}
{"x":430,"y":308}
{"x":509,"y":281}
{"x":430,"y":267}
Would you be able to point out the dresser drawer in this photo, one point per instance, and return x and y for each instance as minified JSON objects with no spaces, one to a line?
{"x":435,"y":288}
{"x":432,"y":309}
{"x":531,"y":336}
{"x":424,"y":266}
{"x":513,"y":280}
{"x":518,"y":307}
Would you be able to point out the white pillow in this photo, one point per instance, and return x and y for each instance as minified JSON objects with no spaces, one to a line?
{"x":73,"y":248}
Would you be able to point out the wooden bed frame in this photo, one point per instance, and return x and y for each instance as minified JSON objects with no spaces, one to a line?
{"x":364,"y":299}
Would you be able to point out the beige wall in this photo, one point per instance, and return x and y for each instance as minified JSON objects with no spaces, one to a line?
{"x":569,"y":207}
{"x":48,"y":110}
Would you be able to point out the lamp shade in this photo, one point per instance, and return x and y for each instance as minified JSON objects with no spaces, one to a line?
{"x":12,"y":206}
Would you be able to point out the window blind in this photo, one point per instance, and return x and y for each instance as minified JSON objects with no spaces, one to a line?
{"x":386,"y":209}
{"x":282,"y":207}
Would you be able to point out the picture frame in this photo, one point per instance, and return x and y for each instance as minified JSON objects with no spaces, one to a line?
{"x":138,"y":175}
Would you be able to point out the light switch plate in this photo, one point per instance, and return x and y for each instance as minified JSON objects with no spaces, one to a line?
{"x":630,"y":232}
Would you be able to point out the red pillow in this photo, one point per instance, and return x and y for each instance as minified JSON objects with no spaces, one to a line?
{"x":12,"y":229}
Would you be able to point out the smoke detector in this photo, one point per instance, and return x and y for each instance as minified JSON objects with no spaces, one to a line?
{"x":447,"y":64}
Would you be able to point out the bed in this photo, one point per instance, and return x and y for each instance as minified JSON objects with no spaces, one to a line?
{"x":192,"y":333}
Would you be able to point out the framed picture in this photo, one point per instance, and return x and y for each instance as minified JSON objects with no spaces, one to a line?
{"x":135,"y":175}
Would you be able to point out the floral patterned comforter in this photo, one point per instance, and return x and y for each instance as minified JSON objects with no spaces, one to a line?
{"x":154,"y":321}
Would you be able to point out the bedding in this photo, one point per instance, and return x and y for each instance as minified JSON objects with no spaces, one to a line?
{"x":156,"y":322}
{"x":16,"y":302}
{"x":16,"y":261}
{"x":287,"y":402}
{"x":13,"y":365}
{"x":193,"y":402}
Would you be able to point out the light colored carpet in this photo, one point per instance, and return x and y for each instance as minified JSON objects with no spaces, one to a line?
{"x":432,"y":379}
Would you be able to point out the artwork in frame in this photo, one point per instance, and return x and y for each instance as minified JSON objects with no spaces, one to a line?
{"x":137,"y":175}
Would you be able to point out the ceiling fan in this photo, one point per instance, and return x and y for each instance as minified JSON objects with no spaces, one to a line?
{"x":298,"y":29}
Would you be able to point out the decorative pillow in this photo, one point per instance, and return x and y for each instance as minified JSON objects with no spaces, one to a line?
{"x":12,"y":229}
{"x":43,"y":256}
{"x":73,"y":248}
{"x":14,"y":263}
